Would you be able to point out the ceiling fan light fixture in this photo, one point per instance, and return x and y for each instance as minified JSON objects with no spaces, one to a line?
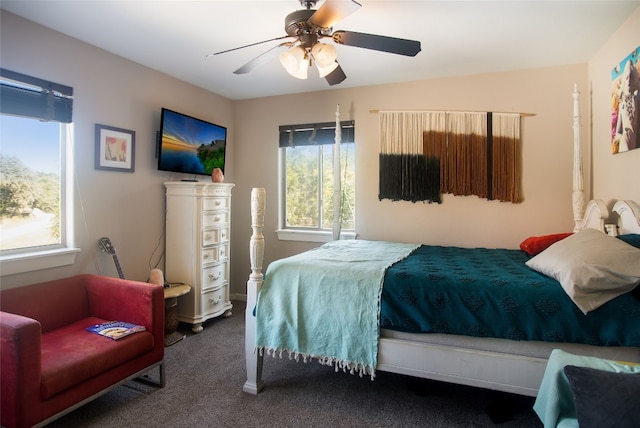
{"x":301,"y":72}
{"x":295,"y":61}
{"x":291,"y":59}
{"x":324,"y":71}
{"x":325,"y":55}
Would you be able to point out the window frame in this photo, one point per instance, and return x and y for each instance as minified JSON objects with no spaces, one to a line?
{"x":303,"y":234}
{"x":59,"y":107}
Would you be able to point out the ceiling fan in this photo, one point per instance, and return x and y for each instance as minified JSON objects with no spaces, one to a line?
{"x":307,"y":27}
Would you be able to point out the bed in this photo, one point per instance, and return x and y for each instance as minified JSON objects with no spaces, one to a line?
{"x":514,"y":363}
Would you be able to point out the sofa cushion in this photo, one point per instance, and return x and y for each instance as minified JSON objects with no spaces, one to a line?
{"x":71,"y":355}
{"x":66,"y":302}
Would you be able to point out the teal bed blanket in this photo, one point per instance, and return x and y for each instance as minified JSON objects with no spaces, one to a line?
{"x":489,"y":292}
{"x":325,"y":303}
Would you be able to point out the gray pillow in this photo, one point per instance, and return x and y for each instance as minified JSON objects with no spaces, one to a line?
{"x":592,"y":267}
{"x":604,"y":399}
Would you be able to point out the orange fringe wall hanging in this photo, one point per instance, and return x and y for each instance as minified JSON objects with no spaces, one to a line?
{"x":425,"y":154}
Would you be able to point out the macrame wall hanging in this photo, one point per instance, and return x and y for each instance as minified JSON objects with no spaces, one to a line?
{"x":426,"y":154}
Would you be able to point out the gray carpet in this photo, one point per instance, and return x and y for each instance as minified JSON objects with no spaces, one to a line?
{"x":205,"y":373}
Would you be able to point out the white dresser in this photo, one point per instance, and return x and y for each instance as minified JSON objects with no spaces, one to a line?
{"x":198,"y":223}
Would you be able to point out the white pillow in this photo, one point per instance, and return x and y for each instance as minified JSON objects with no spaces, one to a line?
{"x":592,"y":267}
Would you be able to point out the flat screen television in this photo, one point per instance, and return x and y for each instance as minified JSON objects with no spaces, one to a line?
{"x":189,"y":145}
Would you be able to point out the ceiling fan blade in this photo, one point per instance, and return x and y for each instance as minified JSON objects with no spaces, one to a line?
{"x":377,"y":43}
{"x":246,"y":46}
{"x":333,"y":11}
{"x":261,"y":59}
{"x":336,"y":76}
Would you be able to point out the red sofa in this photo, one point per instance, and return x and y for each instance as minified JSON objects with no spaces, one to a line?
{"x":51,"y":365}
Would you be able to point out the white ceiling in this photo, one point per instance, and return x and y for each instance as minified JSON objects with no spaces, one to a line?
{"x":458,"y":37}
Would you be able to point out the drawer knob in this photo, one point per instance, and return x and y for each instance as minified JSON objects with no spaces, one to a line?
{"x":206,"y":256}
{"x":214,"y":277}
{"x":216,"y":219}
{"x":207,"y":237}
{"x":217,"y":203}
{"x":215,"y":300}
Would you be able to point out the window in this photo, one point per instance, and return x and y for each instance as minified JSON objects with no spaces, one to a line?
{"x":35,"y":129}
{"x":30,"y":184}
{"x":307,"y":181}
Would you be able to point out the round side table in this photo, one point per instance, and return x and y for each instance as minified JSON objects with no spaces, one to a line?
{"x":171,"y":322}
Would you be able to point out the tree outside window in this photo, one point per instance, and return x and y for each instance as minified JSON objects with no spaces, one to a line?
{"x":30,"y":183}
{"x":309,"y":186}
{"x":307,"y":170}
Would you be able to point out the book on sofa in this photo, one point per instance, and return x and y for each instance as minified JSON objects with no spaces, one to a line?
{"x":115,"y":329}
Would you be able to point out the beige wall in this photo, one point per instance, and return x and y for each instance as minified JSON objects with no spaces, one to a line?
{"x":614,"y":176}
{"x":126,"y":207}
{"x":129,"y":208}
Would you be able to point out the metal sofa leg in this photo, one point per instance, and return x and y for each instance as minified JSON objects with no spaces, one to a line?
{"x":145,"y":378}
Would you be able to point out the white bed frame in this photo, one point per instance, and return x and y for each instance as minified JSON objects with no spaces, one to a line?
{"x":468,"y":361}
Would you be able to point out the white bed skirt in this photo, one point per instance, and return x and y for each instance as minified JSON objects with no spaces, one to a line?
{"x":498,"y":364}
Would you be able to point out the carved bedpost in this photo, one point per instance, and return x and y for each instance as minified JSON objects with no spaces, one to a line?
{"x":254,"y":383}
{"x":577,"y":197}
{"x":337,"y":185}
{"x":256,"y":243}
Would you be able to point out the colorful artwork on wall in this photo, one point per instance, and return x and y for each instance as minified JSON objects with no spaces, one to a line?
{"x":625,"y":104}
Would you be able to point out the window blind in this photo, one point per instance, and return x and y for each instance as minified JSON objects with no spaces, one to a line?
{"x":312,"y":134}
{"x":23,"y":95}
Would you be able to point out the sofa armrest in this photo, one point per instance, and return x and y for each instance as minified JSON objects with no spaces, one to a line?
{"x":125,"y":300}
{"x":20,"y":339}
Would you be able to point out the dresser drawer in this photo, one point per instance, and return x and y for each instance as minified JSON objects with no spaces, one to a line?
{"x":215,"y":254}
{"x":223,"y":252}
{"x":215,"y":219}
{"x":214,"y":301}
{"x":214,"y":276}
{"x":209,"y":255}
{"x":211,"y":204}
{"x":215,"y":236}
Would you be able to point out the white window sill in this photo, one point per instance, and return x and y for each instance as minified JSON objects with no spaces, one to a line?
{"x":20,"y":263}
{"x":310,"y":236}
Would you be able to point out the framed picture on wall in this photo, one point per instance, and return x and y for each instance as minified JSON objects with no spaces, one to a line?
{"x":625,"y":104}
{"x":115,"y":148}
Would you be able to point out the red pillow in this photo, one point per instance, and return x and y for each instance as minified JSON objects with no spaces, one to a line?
{"x":537,"y":244}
